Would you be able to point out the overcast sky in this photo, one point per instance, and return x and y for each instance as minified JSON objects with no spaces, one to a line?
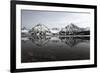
{"x":52,"y":19}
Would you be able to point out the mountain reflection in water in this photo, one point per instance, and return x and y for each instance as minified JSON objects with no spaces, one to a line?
{"x":49,"y":48}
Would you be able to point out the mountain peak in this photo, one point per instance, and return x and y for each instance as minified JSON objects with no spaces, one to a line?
{"x":72,"y":26}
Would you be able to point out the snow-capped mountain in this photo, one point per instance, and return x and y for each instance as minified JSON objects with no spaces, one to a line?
{"x":40,"y":29}
{"x":73,"y":27}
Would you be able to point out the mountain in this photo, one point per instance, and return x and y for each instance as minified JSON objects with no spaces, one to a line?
{"x":40,"y":29}
{"x":72,"y":27}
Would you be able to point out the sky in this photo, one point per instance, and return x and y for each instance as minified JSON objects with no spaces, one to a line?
{"x":53,"y":19}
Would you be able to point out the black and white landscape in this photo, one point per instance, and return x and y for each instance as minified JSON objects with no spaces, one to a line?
{"x":54,"y":36}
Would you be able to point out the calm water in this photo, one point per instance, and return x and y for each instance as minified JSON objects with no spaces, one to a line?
{"x":54,"y":49}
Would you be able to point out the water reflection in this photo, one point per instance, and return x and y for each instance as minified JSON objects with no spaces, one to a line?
{"x":40,"y":41}
{"x":54,"y":48}
{"x":70,"y":41}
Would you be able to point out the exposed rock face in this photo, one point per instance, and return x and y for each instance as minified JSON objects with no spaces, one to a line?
{"x":73,"y":29}
{"x":40,"y":30}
